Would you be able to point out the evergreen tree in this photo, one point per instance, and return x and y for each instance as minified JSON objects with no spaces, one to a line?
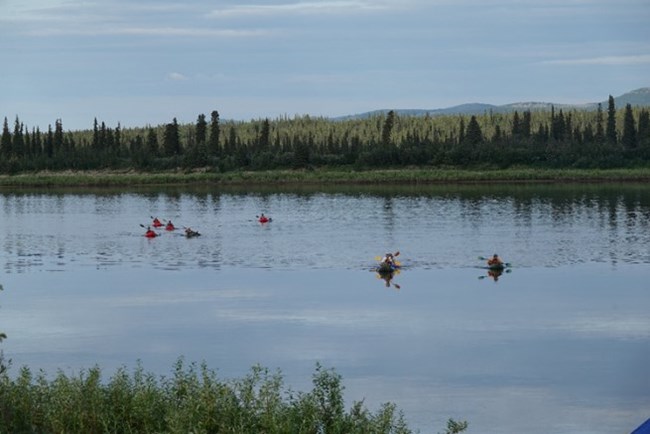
{"x":600,"y":130}
{"x":558,"y":127}
{"x":387,"y":128}
{"x":117,"y":141}
{"x":526,"y":124}
{"x":215,"y":132}
{"x":28,"y":145}
{"x":516,"y":126}
{"x":473,"y":136}
{"x":5,"y":142}
{"x":58,"y":137}
{"x":96,"y":138}
{"x":48,"y":146}
{"x":151,"y":147}
{"x":37,"y":142}
{"x":171,"y":139}
{"x":232,"y":141}
{"x":629,"y":129}
{"x":610,"y":131}
{"x":18,"y":142}
{"x":643,"y":132}
{"x":265,"y":135}
{"x":201,"y":129}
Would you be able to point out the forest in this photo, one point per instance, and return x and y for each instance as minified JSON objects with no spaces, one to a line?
{"x":573,"y":138}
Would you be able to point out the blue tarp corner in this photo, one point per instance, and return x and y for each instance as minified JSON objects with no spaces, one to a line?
{"x":644,"y":428}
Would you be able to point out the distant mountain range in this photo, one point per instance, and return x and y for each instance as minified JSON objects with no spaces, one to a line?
{"x":638,"y":97}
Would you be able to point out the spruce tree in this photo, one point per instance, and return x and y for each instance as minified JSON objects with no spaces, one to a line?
{"x":201,"y":129}
{"x":151,"y":146}
{"x":58,"y":137}
{"x":5,"y":142}
{"x":215,"y":132}
{"x":387,"y":128}
{"x":643,"y":132}
{"x":264,"y":139}
{"x":526,"y":124}
{"x":610,"y":131}
{"x":48,"y":146}
{"x":516,"y":126}
{"x":473,"y":136}
{"x":171,"y":139}
{"x":629,"y":129}
{"x":18,"y":142}
{"x":600,"y":130}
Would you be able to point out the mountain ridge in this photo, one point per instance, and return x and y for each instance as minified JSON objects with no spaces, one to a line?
{"x":638,"y":97}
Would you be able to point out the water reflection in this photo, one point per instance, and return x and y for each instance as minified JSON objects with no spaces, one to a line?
{"x":494,"y":274}
{"x":387,"y":277}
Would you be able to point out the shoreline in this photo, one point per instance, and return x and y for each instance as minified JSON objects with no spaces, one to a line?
{"x":325,"y":176}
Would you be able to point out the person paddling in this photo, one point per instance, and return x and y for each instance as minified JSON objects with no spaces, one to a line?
{"x":150,"y":233}
{"x":156,"y":223}
{"x":495,"y":261}
{"x":170,"y":226}
{"x":189,"y":233}
{"x":388,"y":259}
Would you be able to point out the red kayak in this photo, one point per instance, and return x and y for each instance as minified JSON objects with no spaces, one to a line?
{"x":170,"y":227}
{"x":264,"y":219}
{"x":150,"y":234}
{"x":156,"y":223}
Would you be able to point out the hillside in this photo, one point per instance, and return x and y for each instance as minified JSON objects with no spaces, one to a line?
{"x":639,"y":97}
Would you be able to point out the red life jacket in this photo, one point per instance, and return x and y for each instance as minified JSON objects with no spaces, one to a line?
{"x":150,"y":234}
{"x":157,"y":223}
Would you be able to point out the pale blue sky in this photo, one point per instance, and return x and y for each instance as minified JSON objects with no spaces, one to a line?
{"x":145,"y":62}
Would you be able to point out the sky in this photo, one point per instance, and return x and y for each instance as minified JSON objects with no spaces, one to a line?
{"x":138,"y":63}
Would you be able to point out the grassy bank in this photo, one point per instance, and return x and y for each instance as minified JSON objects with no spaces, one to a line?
{"x":193,"y":399}
{"x":329,"y":176}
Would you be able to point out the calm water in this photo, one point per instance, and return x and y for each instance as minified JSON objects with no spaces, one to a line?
{"x":561,"y":344}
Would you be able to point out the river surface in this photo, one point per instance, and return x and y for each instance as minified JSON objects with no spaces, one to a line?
{"x":559,"y":343}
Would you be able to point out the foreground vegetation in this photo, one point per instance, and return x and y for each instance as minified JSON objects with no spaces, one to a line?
{"x":192,"y":400}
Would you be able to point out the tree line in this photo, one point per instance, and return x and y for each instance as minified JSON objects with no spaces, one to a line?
{"x":553,"y":138}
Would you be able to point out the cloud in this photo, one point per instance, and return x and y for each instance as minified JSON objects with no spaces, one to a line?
{"x":176,"y":76}
{"x":72,"y":18}
{"x":149,"y":31}
{"x":640,"y":59}
{"x":331,"y":7}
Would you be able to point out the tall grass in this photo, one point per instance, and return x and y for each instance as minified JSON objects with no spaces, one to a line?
{"x":323,"y":176}
{"x":193,"y":399}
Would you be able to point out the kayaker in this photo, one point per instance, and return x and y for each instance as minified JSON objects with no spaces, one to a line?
{"x":388,"y":259}
{"x":170,"y":226}
{"x":150,"y":233}
{"x":263,"y":218}
{"x":494,"y":261}
{"x":189,"y":233}
{"x":156,"y":223}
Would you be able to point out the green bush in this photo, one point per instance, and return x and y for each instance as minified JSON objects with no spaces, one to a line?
{"x":192,"y":400}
